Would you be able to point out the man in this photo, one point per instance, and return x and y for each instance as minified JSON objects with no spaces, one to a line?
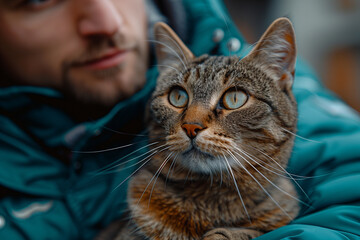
{"x":75,"y":74}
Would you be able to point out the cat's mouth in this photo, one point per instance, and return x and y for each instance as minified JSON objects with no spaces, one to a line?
{"x":196,"y":153}
{"x":200,"y":161}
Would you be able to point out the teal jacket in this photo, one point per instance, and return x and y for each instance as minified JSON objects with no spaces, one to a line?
{"x":51,"y":187}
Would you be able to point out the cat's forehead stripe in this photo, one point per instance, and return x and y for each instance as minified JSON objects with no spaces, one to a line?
{"x":186,"y":77}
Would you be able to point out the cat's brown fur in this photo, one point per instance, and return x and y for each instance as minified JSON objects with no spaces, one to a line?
{"x":187,"y":190}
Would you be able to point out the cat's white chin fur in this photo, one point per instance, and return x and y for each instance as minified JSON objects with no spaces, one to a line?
{"x":205,"y":163}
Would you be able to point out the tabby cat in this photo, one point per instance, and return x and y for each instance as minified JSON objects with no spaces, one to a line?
{"x":222,"y":136}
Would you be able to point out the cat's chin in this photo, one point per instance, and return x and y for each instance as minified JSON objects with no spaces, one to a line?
{"x":202,"y":162}
{"x":194,"y":152}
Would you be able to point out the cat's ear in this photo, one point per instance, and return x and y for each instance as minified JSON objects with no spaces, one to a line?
{"x":169,"y":48}
{"x":276,"y":52}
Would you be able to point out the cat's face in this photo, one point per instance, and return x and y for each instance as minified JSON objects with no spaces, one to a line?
{"x":216,"y":112}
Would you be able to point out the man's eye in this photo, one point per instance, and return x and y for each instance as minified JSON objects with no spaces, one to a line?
{"x":37,"y":1}
{"x":37,"y":4}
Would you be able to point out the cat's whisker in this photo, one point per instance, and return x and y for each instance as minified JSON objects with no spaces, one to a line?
{"x":171,"y":166}
{"x":168,"y":66}
{"x":187,"y":176}
{"x":137,"y":229}
{"x":172,"y":51}
{"x":211,"y":179}
{"x":104,"y":150}
{"x":250,"y":46}
{"x":176,"y":44}
{"x":284,"y":170}
{"x":127,"y":178}
{"x":285,"y":175}
{"x":280,"y":172}
{"x":227,"y":169}
{"x":306,"y":139}
{"x":268,"y":180}
{"x":236,"y":186}
{"x":142,"y":165}
{"x":158,"y":174}
{"x":260,"y":163}
{"x":146,"y":159}
{"x":262,"y":187}
{"x":147,"y":186}
{"x":132,"y":165}
{"x":227,"y":26}
{"x":124,"y":133}
{"x":221,"y":178}
{"x":114,"y":148}
{"x":297,"y":177}
{"x":116,"y":163}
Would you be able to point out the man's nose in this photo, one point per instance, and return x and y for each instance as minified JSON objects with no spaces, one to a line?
{"x":98,"y":17}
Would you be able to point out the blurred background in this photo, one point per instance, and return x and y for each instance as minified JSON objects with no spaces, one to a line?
{"x":327,"y":34}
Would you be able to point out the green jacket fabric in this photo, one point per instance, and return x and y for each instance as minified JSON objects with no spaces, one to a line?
{"x":52,"y":186}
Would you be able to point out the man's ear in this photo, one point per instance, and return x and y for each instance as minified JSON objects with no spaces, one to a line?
{"x":170,"y":50}
{"x":276,"y":52}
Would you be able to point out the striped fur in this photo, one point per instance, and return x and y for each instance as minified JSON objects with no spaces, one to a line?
{"x":229,"y":182}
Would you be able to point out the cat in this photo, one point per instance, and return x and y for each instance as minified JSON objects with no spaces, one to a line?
{"x":221,"y":132}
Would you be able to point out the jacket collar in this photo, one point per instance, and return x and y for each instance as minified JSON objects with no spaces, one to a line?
{"x":44,"y":113}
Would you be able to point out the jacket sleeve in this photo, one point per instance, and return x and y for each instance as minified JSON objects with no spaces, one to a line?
{"x":32,"y":205}
{"x":36,"y":218}
{"x":327,"y":158}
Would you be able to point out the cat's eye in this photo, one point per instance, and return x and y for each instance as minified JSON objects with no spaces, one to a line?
{"x":234,"y":99}
{"x":178,"y":97}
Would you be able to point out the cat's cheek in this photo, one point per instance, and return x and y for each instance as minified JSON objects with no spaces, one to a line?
{"x":163,"y":115}
{"x":254,"y":117}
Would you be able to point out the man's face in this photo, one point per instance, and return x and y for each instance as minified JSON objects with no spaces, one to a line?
{"x":93,"y":50}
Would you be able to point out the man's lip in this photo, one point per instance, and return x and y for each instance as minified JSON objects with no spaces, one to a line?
{"x":109,"y":59}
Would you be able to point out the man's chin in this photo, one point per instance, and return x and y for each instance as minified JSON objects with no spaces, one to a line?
{"x":105,"y":92}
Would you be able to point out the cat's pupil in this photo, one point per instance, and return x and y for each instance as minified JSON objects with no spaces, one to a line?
{"x":234,"y":99}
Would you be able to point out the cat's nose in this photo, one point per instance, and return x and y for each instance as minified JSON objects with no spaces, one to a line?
{"x":192,"y":129}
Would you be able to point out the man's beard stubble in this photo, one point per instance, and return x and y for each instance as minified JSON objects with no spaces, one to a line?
{"x":85,"y":93}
